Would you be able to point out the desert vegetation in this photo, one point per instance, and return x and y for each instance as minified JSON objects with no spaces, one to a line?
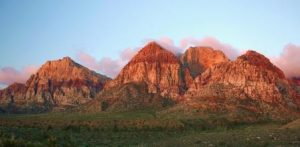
{"x":140,"y":128}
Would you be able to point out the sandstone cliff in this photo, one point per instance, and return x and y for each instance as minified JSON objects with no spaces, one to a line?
{"x":202,"y":79}
{"x":59,"y":83}
{"x":158,"y":68}
{"x":11,"y":95}
{"x":253,"y":78}
{"x":198,"y":59}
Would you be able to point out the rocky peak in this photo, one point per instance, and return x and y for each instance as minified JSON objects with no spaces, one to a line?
{"x":17,"y":87}
{"x":156,"y":66}
{"x":259,"y":60}
{"x":153,"y":52}
{"x":198,"y":59}
{"x":66,"y":69}
{"x":13,"y":94}
{"x":251,"y":77}
{"x":64,"y":62}
{"x":14,"y":88}
{"x":57,"y":83}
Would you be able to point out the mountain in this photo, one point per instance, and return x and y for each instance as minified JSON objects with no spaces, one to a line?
{"x":202,"y":81}
{"x":60,"y":83}
{"x":153,"y":78}
{"x":205,"y":81}
{"x":14,"y":93}
{"x":249,"y":84}
{"x":157,"y":67}
{"x":198,"y":59}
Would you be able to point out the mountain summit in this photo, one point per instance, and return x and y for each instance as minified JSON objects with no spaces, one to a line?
{"x":59,"y":83}
{"x":157,"y":67}
{"x":251,"y":84}
{"x":198,"y":59}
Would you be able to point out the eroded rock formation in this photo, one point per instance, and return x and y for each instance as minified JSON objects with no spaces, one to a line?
{"x":158,"y":68}
{"x":59,"y":83}
{"x":198,"y":59}
{"x":251,"y":77}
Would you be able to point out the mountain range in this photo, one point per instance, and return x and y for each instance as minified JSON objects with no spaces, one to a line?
{"x":200,"y":81}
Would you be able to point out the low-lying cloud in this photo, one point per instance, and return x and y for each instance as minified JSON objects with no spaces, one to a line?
{"x":230,"y":51}
{"x":289,"y":60}
{"x":107,"y":66}
{"x":111,"y":67}
{"x":10,"y":75}
{"x":168,"y":44}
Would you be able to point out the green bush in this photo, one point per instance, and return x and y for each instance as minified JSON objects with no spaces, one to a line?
{"x":165,"y":102}
{"x":104,"y":105}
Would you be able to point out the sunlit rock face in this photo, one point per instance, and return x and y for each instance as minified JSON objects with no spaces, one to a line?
{"x":14,"y":93}
{"x":198,"y":59}
{"x":58,"y":83}
{"x":250,"y":77}
{"x":157,"y":67}
{"x":202,"y":78}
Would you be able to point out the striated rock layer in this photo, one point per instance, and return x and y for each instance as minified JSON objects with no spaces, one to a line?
{"x":251,"y":78}
{"x":59,"y":83}
{"x":158,"y":68}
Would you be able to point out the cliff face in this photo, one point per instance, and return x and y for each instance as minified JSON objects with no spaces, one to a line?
{"x":251,"y":77}
{"x":14,"y":93}
{"x":203,"y":79}
{"x":250,"y":87}
{"x":157,"y":67}
{"x":198,"y":59}
{"x":57,"y":83}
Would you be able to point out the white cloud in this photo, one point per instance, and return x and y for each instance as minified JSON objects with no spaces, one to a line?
{"x":289,"y":60}
{"x":230,"y":51}
{"x":9,"y":75}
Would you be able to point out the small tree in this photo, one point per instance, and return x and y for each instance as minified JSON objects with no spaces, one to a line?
{"x":104,"y":105}
{"x":165,"y":102}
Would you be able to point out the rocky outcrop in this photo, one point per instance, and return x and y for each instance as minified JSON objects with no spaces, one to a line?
{"x":60,"y":83}
{"x":252,"y":77}
{"x":13,"y":95}
{"x":198,"y":59}
{"x":129,"y":96}
{"x":158,"y":68}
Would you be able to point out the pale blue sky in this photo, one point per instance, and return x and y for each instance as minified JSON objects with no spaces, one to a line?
{"x":33,"y":31}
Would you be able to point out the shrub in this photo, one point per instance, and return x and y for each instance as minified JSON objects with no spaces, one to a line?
{"x":104,"y":105}
{"x":165,"y":102}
